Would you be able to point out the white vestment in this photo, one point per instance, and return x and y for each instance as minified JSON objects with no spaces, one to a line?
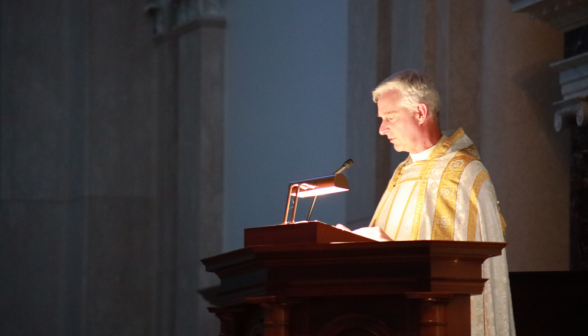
{"x":449,"y":196}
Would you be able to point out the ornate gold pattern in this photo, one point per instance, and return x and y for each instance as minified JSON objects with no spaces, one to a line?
{"x":473,"y":215}
{"x":444,"y":220}
{"x":439,"y":151}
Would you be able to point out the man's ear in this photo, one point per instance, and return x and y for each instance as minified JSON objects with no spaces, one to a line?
{"x":422,"y":113}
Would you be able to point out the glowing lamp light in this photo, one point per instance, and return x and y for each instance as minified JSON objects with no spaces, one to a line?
{"x":320,"y":192}
{"x":318,"y":186}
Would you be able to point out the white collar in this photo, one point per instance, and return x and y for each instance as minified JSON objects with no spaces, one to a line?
{"x":422,"y":156}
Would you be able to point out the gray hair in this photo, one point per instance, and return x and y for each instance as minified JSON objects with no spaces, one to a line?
{"x":415,"y":87}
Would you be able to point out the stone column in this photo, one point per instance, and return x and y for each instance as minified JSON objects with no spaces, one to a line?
{"x":191,"y":59}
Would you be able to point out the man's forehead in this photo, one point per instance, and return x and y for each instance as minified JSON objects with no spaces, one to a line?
{"x":392,"y":93}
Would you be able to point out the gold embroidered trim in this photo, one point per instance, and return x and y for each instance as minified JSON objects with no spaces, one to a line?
{"x":398,"y":172}
{"x":473,"y":213}
{"x":418,"y":163}
{"x":444,"y":219}
{"x":380,"y":207}
{"x":418,"y":213}
{"x":503,"y":224}
{"x":409,"y":179}
{"x":404,"y":211}
{"x":501,"y":220}
{"x":390,"y":210}
{"x":437,"y":153}
{"x":391,"y":184}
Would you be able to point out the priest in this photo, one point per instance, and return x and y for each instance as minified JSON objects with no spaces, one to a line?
{"x":442,"y":191}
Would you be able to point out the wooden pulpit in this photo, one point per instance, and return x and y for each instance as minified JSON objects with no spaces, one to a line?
{"x":346,"y":285}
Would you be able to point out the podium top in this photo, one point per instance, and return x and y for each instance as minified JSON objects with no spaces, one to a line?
{"x":344,"y":269}
{"x":314,"y":232}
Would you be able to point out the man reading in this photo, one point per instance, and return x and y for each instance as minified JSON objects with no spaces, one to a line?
{"x":440,"y":192}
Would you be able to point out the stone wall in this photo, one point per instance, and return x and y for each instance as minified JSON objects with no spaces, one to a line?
{"x":111,"y":168}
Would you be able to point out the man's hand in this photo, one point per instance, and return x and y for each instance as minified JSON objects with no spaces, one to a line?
{"x":374,"y":233}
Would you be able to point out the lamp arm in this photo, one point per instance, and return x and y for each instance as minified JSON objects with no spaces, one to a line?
{"x":311,"y":208}
{"x":295,"y":205}
{"x":288,"y":202}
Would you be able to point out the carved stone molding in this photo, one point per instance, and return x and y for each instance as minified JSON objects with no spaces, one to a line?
{"x":573,"y":78}
{"x":563,"y":15}
{"x":570,"y":112}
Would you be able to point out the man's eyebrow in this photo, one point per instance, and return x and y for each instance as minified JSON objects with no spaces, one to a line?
{"x":386,"y":113}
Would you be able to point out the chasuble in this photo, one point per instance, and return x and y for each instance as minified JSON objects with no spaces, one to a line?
{"x":446,"y":194}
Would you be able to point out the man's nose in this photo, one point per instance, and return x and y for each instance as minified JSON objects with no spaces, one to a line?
{"x":383,"y":128}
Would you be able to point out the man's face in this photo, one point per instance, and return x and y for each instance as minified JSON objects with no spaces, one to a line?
{"x":399,"y":123}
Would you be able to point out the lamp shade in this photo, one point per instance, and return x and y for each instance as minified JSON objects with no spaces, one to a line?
{"x":314,"y":187}
{"x":321,"y":185}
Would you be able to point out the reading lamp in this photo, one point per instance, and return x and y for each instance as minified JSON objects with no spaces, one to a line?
{"x":318,"y":186}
